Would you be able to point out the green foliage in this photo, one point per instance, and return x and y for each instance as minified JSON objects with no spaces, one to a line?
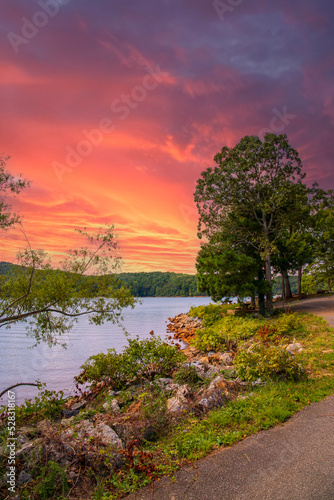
{"x":267,"y":362}
{"x":141,"y":359}
{"x":186,"y":375}
{"x":210,"y":313}
{"x":9,"y":184}
{"x":159,"y":284}
{"x":288,"y":324}
{"x":53,"y":300}
{"x":47,"y":405}
{"x":52,"y":482}
{"x":217,"y":336}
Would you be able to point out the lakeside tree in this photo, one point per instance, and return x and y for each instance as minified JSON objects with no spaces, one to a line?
{"x":253,"y":195}
{"x":51,"y":300}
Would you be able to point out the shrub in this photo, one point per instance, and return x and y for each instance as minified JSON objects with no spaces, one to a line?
{"x":186,"y":375}
{"x":210,"y":313}
{"x":141,"y":359}
{"x":288,"y":324}
{"x":267,"y":362}
{"x":227,"y":328}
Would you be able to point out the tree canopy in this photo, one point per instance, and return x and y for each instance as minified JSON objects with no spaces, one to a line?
{"x":254,"y":201}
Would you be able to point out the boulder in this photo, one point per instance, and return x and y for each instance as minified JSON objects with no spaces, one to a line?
{"x":176,"y":405}
{"x":80,"y":405}
{"x":293,"y":348}
{"x":183,"y":392}
{"x":69,"y":413}
{"x":225,"y":359}
{"x":210,"y":399}
{"x":107,"y":436}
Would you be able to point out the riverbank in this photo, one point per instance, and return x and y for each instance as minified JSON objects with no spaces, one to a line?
{"x":211,"y":395}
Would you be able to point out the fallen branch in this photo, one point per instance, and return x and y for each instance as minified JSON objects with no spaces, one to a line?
{"x":16,"y":385}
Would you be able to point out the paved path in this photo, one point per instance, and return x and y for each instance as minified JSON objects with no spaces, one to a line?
{"x":293,"y":461}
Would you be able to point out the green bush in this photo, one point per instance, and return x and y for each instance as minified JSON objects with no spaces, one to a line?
{"x":210,"y":313}
{"x":228,"y":328}
{"x":141,"y":359}
{"x":186,"y":375}
{"x":52,"y":483}
{"x":267,"y":362}
{"x":288,"y":324}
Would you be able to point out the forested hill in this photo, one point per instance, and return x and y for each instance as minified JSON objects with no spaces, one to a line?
{"x":155,"y":284}
{"x":158,"y":284}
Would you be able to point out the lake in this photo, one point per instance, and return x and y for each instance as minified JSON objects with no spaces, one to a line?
{"x":56,"y":366}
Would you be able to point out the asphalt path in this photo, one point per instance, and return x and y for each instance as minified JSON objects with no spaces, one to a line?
{"x":293,"y":461}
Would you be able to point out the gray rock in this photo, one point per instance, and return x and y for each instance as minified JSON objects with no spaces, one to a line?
{"x":213,"y":370}
{"x":163,"y":382}
{"x":183,"y":392}
{"x":69,"y":413}
{"x":212,"y":399}
{"x":24,"y":478}
{"x":295,"y":347}
{"x":112,"y":406}
{"x":175,"y":405}
{"x":107,"y":436}
{"x":79,"y":406}
{"x":226,"y":359}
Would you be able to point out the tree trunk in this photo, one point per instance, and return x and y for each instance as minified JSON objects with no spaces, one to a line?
{"x":262,"y":304}
{"x":329,"y":285}
{"x":269,"y":295}
{"x":299,"y":289}
{"x":283,"y":287}
{"x":253,"y":300}
{"x":288,"y":294}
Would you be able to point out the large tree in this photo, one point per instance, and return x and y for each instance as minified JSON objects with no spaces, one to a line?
{"x":253,"y":193}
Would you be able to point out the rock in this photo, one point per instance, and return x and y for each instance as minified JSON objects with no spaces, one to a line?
{"x":69,"y":413}
{"x":175,"y":405}
{"x":217,"y":383}
{"x":112,"y":393}
{"x":162,"y":382}
{"x":80,"y":405}
{"x":226,"y":359}
{"x":45,"y":427}
{"x":212,"y":370}
{"x":112,"y":406}
{"x":24,"y":478}
{"x":258,"y":382}
{"x":86,"y":430}
{"x":212,"y":399}
{"x":183,"y":392}
{"x":107,"y":436}
{"x":204,"y":360}
{"x":293,"y":348}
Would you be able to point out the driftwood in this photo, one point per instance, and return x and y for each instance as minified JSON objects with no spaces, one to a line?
{"x":16,"y":385}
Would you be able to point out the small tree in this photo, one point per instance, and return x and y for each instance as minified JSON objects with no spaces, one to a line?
{"x":51,"y":299}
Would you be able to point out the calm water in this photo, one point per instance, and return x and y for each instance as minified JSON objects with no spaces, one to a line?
{"x":57,"y":367}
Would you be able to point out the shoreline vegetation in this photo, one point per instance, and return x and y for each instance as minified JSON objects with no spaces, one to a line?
{"x":155,"y":407}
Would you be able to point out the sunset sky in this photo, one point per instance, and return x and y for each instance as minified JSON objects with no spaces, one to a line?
{"x":113,"y":108}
